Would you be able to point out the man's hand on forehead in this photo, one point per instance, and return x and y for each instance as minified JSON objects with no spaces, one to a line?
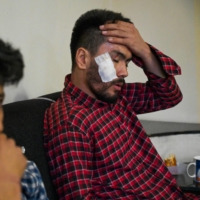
{"x":126,"y":34}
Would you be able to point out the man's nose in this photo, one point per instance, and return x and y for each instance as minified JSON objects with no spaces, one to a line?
{"x":122,"y":71}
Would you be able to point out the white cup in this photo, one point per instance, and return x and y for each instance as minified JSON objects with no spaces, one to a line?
{"x":196,"y":163}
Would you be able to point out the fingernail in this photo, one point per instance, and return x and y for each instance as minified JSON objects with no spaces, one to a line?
{"x":104,"y":32}
{"x":101,"y":27}
{"x":110,"y":39}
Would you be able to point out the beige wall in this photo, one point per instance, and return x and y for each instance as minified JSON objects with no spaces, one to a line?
{"x":197,"y":45}
{"x":42,"y":29}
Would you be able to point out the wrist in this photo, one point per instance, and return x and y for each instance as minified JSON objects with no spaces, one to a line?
{"x":146,"y":54}
{"x":9,"y":178}
{"x":10,"y":188}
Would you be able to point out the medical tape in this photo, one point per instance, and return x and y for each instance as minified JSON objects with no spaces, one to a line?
{"x":106,"y":67}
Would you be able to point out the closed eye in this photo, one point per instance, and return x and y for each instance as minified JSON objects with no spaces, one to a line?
{"x":115,"y":60}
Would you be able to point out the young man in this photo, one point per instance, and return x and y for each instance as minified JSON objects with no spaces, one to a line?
{"x":96,"y":146}
{"x":19,"y":178}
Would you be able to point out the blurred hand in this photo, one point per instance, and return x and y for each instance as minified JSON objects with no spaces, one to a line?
{"x":12,"y":161}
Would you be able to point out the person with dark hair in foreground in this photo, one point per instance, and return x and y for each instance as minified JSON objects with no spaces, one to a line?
{"x":95,"y":144}
{"x":19,"y":179}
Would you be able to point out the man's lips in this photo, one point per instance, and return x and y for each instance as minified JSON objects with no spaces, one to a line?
{"x":118,"y":86}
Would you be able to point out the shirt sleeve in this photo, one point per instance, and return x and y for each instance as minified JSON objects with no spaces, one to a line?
{"x":190,"y":196}
{"x":168,"y":64}
{"x":32,"y":184}
{"x":157,"y":93}
{"x":70,"y":160}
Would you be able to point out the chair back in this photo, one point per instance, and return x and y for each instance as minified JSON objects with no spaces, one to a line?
{"x":23,"y":121}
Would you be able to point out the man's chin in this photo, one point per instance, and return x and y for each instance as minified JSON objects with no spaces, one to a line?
{"x":109,"y":99}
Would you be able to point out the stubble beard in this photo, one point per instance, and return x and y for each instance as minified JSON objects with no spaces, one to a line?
{"x":99,"y":88}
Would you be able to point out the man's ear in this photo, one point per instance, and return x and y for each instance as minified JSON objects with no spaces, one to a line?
{"x":82,"y":58}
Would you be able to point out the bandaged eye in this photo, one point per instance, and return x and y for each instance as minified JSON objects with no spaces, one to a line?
{"x":106,"y":67}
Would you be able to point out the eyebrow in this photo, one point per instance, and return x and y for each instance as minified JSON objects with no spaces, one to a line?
{"x":122,"y":55}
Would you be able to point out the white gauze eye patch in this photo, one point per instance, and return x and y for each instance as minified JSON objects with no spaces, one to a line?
{"x":106,"y":68}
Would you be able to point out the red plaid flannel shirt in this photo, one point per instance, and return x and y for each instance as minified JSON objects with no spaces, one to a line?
{"x":101,"y":151}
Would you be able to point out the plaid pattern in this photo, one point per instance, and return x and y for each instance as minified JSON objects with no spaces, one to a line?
{"x":32,"y":184}
{"x":101,"y":151}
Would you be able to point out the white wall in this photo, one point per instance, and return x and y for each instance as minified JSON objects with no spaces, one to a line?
{"x":42,"y":30}
{"x":197,"y":45}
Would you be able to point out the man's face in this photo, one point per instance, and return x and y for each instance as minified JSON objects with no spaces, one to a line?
{"x":1,"y":110}
{"x":108,"y":92}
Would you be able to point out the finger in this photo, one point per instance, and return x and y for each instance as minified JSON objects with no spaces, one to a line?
{"x":3,"y":136}
{"x":124,"y":24}
{"x":123,"y":32}
{"x":11,"y":142}
{"x":118,"y":25}
{"x":115,"y":33}
{"x":116,"y":40}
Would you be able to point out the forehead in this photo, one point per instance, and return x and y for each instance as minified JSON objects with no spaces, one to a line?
{"x":108,"y":47}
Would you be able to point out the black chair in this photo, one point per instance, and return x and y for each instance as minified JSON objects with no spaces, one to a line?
{"x":23,"y":121}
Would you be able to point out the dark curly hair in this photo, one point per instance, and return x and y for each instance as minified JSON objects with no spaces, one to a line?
{"x":86,"y":32}
{"x":11,"y":64}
